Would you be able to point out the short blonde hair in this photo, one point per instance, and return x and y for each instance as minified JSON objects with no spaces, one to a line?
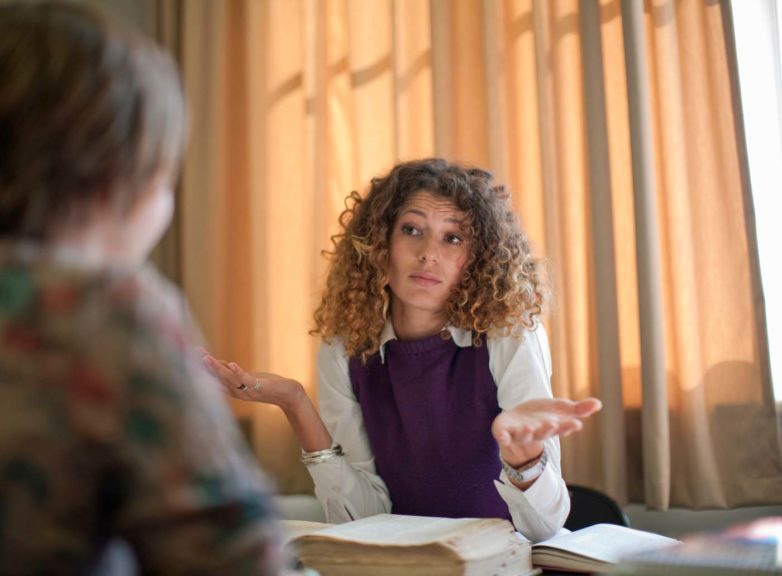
{"x":88,"y":112}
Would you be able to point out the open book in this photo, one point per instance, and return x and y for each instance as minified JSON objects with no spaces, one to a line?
{"x":398,"y":545}
{"x":595,"y":548}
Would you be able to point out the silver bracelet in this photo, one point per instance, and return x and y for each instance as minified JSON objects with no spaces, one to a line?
{"x":320,"y":456}
{"x":528,"y":474}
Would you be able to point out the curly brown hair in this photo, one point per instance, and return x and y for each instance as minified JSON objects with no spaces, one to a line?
{"x":501,"y":290}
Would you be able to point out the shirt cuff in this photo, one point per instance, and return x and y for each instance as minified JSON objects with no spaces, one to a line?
{"x":540,"y":495}
{"x":540,"y":511}
{"x":327,"y":476}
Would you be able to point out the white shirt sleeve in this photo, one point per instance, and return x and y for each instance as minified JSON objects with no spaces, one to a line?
{"x":347,"y":487}
{"x":522,"y":371}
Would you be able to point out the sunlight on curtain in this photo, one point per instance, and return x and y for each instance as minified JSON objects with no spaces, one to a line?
{"x":298,"y":102}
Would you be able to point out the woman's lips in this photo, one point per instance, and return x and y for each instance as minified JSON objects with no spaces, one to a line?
{"x":424,"y":279}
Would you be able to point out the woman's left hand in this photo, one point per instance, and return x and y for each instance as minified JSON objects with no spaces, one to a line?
{"x":521,"y":430}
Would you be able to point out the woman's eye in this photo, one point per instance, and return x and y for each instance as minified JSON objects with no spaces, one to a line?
{"x":453,"y":239}
{"x":410,"y":230}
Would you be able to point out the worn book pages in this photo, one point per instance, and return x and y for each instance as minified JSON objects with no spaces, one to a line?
{"x":398,"y":545}
{"x":292,"y":529}
{"x":594,"y":548}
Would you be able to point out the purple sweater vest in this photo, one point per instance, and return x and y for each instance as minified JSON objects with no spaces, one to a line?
{"x":428,"y":413}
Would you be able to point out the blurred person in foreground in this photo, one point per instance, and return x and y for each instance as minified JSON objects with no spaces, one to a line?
{"x":110,"y":427}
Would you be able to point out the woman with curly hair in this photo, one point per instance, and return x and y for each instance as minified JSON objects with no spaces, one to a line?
{"x":434,"y":372}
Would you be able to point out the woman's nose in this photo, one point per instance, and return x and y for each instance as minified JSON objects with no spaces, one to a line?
{"x":428,"y":252}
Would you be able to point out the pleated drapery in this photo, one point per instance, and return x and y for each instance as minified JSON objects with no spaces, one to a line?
{"x":612,"y":123}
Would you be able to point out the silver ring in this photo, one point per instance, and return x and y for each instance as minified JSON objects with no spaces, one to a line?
{"x":242,"y":387}
{"x":257,"y":385}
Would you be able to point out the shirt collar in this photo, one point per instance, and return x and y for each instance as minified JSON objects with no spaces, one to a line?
{"x":461,"y":337}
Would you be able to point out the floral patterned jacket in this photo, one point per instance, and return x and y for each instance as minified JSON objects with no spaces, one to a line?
{"x":110,"y":427}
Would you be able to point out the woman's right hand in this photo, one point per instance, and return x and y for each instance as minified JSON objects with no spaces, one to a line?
{"x":254,"y":386}
{"x":273,"y":389}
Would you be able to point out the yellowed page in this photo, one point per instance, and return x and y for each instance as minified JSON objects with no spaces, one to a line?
{"x":401,"y":530}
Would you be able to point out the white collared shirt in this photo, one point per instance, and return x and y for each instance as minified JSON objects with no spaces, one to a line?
{"x":349,"y":488}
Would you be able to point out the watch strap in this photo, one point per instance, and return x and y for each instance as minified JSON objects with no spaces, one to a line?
{"x":527,"y":474}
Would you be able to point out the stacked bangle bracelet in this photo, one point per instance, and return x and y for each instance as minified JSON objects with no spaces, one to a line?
{"x":320,"y":456}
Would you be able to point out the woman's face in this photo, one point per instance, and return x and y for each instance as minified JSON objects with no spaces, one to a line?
{"x":427,"y":253}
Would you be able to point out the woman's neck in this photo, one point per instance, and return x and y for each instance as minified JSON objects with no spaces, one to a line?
{"x":415,"y":323}
{"x":93,"y":245}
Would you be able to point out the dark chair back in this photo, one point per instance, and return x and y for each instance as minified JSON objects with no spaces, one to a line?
{"x":588,"y":507}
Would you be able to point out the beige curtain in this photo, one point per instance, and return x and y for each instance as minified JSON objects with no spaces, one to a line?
{"x":613,"y":125}
{"x":162,"y":19}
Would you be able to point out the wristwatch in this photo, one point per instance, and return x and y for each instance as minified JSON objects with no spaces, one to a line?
{"x":526,"y":474}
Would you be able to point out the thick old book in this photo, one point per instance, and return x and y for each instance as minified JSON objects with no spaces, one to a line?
{"x":398,"y":545}
{"x":596,"y":548}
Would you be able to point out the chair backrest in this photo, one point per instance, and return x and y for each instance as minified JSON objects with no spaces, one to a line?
{"x":588,"y":507}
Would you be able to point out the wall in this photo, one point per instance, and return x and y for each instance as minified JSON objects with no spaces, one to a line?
{"x":679,"y":522}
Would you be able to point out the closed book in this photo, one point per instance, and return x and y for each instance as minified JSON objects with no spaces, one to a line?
{"x":400,"y":545}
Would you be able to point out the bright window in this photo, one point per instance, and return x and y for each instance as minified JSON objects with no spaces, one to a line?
{"x":758,"y":27}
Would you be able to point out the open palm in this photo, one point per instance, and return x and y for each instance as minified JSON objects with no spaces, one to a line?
{"x":521,"y":430}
